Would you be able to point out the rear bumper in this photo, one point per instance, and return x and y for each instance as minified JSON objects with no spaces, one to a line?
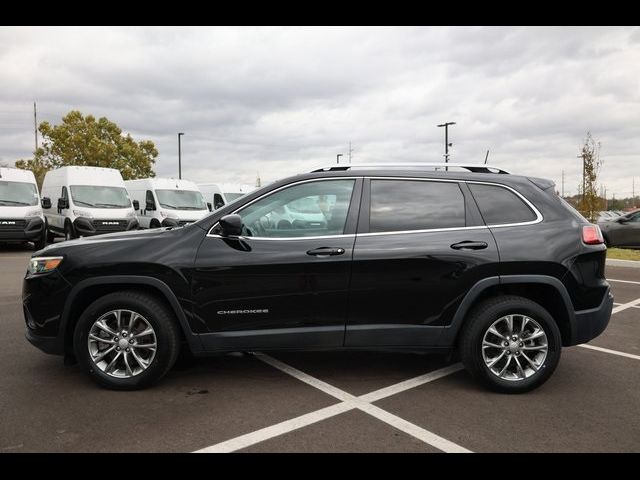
{"x":591,"y":323}
{"x":32,"y":231}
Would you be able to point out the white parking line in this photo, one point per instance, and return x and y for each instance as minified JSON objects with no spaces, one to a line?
{"x":348,"y":402}
{"x":616,"y":304}
{"x":622,"y":281}
{"x":613,"y":352}
{"x":624,"y":306}
{"x":261,"y":435}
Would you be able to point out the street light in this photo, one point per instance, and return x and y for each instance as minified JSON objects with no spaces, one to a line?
{"x":179,"y":156}
{"x":446,"y":141}
{"x":338,"y":157}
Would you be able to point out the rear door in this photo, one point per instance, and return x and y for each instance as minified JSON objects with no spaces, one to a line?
{"x":420,"y":246}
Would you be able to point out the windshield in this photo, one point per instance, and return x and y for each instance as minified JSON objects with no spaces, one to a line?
{"x":98,"y":196}
{"x":18,"y":194}
{"x":181,"y":199}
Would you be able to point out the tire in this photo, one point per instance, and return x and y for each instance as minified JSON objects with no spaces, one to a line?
{"x":50,"y":235}
{"x":156,"y":315}
{"x":154,"y":224}
{"x":41,"y":242}
{"x":495,"y":312}
{"x":69,"y":231}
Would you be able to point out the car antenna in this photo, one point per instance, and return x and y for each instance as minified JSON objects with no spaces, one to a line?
{"x":486,"y":157}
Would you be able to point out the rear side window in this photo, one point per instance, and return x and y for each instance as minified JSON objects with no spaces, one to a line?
{"x":399,"y":205}
{"x":500,"y":206}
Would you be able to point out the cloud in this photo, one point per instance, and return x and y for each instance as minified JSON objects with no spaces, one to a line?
{"x":279,"y":101}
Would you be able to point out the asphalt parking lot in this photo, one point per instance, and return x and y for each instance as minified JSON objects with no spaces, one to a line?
{"x":322,"y":402}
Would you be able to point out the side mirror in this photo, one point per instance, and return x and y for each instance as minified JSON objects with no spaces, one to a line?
{"x":63,"y":203}
{"x":136,"y":205}
{"x":622,"y":220}
{"x":231,"y":225}
{"x":209,"y":206}
{"x":150,"y":206}
{"x":45,"y":202}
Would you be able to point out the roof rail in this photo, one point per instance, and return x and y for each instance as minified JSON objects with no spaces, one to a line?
{"x":472,"y":167}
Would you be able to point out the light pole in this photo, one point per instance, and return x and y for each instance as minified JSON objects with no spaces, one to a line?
{"x":446,"y":141}
{"x":338,"y":157}
{"x":179,"y":156}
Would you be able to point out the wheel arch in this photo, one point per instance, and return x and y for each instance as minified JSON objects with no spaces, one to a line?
{"x":547,"y":291}
{"x":89,"y":290}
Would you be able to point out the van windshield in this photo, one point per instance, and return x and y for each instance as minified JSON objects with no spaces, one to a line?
{"x":18,"y":194}
{"x":181,"y":199}
{"x":233,"y":196}
{"x":99,"y":196}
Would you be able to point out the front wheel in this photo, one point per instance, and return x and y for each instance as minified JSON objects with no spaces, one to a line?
{"x":69,"y":232}
{"x":510,"y":344}
{"x":127,"y":340}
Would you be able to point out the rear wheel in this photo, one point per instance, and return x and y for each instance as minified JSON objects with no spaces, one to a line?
{"x":127,"y":340}
{"x":510,"y":344}
{"x":154,"y":224}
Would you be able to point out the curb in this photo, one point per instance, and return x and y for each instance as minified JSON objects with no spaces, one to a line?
{"x":623,"y":263}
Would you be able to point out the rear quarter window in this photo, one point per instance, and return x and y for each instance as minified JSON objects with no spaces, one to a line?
{"x":500,"y":206}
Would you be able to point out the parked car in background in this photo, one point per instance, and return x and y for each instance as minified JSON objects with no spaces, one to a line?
{"x":221,"y":194}
{"x":21,"y":217}
{"x":622,"y":231}
{"x":86,"y":201}
{"x":166,"y":202}
{"x":493,"y":266}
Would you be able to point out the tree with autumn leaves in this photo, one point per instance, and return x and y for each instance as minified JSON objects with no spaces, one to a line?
{"x":87,"y":141}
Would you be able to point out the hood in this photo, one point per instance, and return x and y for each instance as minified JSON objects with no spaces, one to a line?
{"x":134,"y":237}
{"x":20,"y":211}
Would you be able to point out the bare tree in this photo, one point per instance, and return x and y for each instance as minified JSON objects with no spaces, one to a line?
{"x":590,"y":201}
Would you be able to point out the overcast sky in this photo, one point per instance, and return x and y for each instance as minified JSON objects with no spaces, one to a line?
{"x":280,"y":101}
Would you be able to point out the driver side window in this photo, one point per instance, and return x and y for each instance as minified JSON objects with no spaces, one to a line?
{"x":306,"y":210}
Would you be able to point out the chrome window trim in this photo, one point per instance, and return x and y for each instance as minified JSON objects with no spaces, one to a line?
{"x":538,"y":218}
{"x":215,"y":235}
{"x":317,"y":237}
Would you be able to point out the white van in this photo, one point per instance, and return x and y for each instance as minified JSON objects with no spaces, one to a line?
{"x":85,"y":201}
{"x":217,"y":195}
{"x":21,"y":217}
{"x":166,"y":202}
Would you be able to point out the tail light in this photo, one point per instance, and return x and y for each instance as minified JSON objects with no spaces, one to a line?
{"x":591,"y":235}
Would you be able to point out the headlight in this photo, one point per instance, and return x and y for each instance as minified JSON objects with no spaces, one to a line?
{"x":165,"y":214}
{"x":43,"y":264}
{"x":82,"y":213}
{"x":34,"y":212}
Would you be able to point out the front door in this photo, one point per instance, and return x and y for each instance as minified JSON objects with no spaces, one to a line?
{"x":420,"y":246}
{"x":283,"y":283}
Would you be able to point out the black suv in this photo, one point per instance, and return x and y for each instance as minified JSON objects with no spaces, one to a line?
{"x":493,"y":266}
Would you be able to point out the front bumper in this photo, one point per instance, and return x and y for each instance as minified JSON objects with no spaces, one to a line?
{"x":26,"y":230}
{"x":87,"y":227}
{"x":43,"y":300}
{"x":591,"y":323}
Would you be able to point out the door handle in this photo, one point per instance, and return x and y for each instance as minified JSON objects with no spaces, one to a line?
{"x":469,"y":245}
{"x":325,"y":251}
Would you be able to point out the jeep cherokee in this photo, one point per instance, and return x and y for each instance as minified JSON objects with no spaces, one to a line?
{"x":493,"y":267}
